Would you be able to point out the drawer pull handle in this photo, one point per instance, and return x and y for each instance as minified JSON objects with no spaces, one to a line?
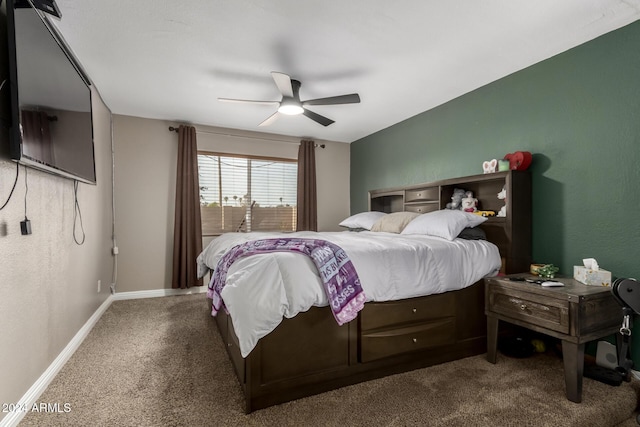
{"x":523,"y":306}
{"x":415,"y":310}
{"x":415,"y":340}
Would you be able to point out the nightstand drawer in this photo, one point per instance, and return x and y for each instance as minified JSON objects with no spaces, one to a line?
{"x":414,"y":310}
{"x":528,"y":307}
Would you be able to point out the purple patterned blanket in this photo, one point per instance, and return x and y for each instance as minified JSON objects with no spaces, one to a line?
{"x":339,"y":277}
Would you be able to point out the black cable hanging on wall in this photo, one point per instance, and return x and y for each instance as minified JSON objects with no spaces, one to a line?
{"x":77,"y":215}
{"x":26,"y":191}
{"x":12,"y":188}
{"x":17,"y":164}
{"x":25,"y":226}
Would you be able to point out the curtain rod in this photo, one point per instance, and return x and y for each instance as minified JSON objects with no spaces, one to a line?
{"x":175,"y":129}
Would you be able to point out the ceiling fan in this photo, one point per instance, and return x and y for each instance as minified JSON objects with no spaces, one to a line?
{"x":290,"y":103}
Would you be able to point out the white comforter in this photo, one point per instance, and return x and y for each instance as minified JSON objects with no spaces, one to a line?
{"x":262,"y":289}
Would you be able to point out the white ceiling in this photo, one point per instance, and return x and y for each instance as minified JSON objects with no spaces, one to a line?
{"x":171,"y":60}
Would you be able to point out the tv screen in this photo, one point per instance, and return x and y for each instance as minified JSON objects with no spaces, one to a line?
{"x":52,"y":125}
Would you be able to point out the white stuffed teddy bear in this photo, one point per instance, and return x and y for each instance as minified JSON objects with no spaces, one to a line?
{"x":503,"y":196}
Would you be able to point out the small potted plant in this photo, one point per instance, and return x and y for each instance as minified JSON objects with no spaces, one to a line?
{"x":548,"y":271}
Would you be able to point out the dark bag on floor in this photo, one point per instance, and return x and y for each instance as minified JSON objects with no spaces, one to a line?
{"x":627,"y":293}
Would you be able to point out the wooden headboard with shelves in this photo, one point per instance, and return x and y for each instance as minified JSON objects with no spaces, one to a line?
{"x":512,"y":234}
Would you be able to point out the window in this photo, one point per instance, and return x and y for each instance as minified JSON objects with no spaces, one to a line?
{"x":240,"y":193}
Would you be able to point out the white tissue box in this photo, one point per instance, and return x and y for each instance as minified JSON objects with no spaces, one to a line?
{"x":591,"y":277}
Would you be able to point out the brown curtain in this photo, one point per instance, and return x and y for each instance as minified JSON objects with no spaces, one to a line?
{"x":307,"y":199}
{"x":187,"y":230}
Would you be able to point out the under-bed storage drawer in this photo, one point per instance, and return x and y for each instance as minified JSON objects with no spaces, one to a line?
{"x":414,"y":310}
{"x":396,"y":327}
{"x":389,"y":342}
{"x":233,"y":348}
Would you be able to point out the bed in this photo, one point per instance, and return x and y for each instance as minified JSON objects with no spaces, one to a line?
{"x":424,"y":293}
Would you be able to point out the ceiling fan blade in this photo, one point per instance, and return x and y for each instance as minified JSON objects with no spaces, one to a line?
{"x":248,"y":101}
{"x":283,"y":82}
{"x":272,"y":118}
{"x":317,"y":117}
{"x":352,"y":98}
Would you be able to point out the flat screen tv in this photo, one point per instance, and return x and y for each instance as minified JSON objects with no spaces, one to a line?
{"x":51,"y":115}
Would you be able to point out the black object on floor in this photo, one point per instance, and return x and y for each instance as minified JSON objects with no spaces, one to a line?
{"x":604,"y":375}
{"x":518,"y":347}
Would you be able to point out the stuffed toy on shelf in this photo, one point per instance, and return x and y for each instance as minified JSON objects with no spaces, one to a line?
{"x":470,"y":204}
{"x":502,"y":195}
{"x":456,"y":199}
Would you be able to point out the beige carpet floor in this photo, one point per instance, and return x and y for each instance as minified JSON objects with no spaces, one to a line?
{"x":160,"y":362}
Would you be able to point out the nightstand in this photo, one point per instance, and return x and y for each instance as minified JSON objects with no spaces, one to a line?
{"x":574,"y":313}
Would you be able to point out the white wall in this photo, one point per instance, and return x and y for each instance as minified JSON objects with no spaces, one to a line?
{"x":48,"y":284}
{"x":146,"y":156}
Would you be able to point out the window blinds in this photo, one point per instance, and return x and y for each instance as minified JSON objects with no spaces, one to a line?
{"x":239,"y":193}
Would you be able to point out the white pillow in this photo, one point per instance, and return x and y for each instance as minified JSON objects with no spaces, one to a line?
{"x":363,"y":220}
{"x":394,"y":222}
{"x":445,"y":223}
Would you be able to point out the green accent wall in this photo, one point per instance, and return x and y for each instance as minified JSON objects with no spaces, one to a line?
{"x":578,"y":113}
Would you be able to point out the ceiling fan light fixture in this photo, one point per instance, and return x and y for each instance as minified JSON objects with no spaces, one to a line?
{"x":290,"y":108}
{"x":290,"y":104}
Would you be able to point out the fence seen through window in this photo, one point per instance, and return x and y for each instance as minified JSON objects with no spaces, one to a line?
{"x":246,"y":193}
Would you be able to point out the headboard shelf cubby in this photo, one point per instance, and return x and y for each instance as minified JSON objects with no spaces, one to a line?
{"x":512,"y":234}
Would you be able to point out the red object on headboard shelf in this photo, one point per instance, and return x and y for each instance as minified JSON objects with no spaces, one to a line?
{"x":519,"y":160}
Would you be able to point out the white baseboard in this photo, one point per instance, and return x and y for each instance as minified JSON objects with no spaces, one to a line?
{"x":155,"y":293}
{"x":31,"y":396}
